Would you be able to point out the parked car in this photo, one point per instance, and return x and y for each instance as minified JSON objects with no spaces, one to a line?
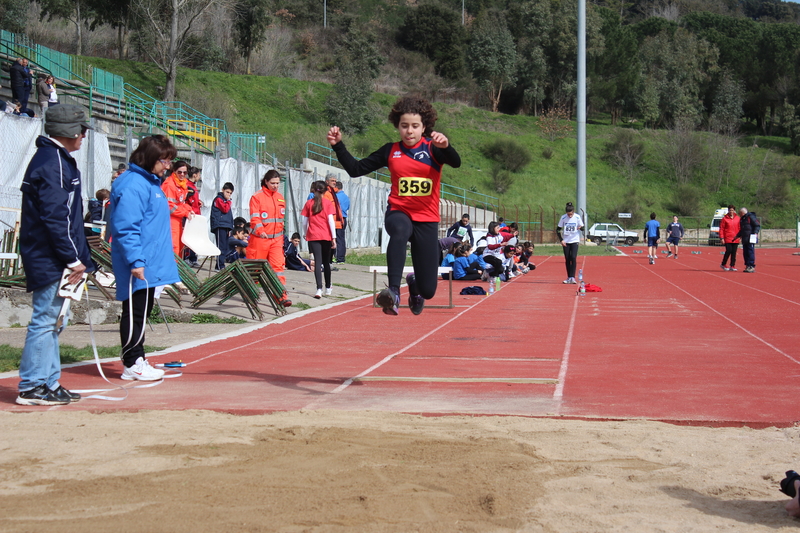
{"x":713,"y":228}
{"x":607,"y":231}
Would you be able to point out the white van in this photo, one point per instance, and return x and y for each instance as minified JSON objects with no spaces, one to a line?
{"x":713,"y":229}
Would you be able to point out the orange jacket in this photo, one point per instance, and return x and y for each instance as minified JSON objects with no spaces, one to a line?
{"x":175,"y":191}
{"x":267,"y":211}
{"x":330,"y":194}
{"x":728,"y":228}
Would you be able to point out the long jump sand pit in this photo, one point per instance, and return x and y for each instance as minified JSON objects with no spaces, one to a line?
{"x":320,"y":471}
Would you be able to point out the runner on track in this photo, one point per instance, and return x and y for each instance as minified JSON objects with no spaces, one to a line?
{"x":415,"y":164}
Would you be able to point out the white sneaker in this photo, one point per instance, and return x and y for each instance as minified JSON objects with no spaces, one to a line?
{"x":319,"y":294}
{"x":142,"y":371}
{"x":328,"y":291}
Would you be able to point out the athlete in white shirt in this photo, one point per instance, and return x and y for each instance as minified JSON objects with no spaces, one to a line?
{"x":569,"y":233}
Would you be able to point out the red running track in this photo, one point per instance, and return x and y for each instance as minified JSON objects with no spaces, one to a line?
{"x":679,"y":341}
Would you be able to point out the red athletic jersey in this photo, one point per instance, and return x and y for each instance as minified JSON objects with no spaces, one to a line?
{"x":415,"y":181}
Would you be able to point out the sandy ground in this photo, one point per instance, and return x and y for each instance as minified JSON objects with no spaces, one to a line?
{"x":324,"y":471}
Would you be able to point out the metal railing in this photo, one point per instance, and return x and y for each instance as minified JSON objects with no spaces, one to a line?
{"x":108,"y":93}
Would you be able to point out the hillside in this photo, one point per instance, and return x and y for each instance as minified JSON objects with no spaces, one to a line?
{"x":751,"y":171}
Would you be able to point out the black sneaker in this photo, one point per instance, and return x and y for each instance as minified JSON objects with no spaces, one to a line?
{"x":41,"y":395}
{"x":415,"y":301}
{"x":63,"y":394}
{"x":390,"y":301}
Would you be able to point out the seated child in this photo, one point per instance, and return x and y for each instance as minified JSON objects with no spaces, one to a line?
{"x":237,"y":243}
{"x":293,"y":259}
{"x":450,"y":257}
{"x":525,"y":252}
{"x":468,"y":267}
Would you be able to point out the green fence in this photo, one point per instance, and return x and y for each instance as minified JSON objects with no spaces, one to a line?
{"x":108,"y":93}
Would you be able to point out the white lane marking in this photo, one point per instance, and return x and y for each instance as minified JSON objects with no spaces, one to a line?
{"x":562,"y":372}
{"x":404,"y":349}
{"x":701,"y":302}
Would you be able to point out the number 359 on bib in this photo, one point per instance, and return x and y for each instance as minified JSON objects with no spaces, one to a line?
{"x":415,"y":187}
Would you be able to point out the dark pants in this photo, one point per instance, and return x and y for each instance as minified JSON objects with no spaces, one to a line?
{"x":571,"y":258}
{"x":424,"y":240}
{"x":748,"y":252}
{"x":321,"y":250}
{"x":222,"y":243}
{"x":341,"y":244}
{"x":496,"y":264}
{"x":131,"y":331}
{"x":730,"y":251}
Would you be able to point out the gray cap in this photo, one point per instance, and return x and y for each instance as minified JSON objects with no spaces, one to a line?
{"x":65,"y":120}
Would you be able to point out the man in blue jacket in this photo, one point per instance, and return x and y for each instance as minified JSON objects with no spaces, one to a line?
{"x":341,"y":240}
{"x":51,"y":241}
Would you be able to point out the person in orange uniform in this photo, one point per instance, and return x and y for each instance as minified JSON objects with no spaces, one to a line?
{"x":267,"y":210}
{"x":175,"y":188}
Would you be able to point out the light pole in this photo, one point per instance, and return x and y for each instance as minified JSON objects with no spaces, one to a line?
{"x":581,"y":140}
{"x":324,"y":13}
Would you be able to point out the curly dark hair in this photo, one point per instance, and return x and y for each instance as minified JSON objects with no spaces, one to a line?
{"x":414,"y":105}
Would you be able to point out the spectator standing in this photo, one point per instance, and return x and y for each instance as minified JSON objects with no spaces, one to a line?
{"x":341,"y":241}
{"x":674,"y":235}
{"x":319,"y":226}
{"x":728,"y":235}
{"x":21,"y":82}
{"x":330,"y":194}
{"x":461,"y":229}
{"x":46,"y":87}
{"x":749,"y":228}
{"x":652,"y":233}
{"x":51,"y":241}
{"x":193,"y":199}
{"x":267,"y":212}
{"x":222,"y":221}
{"x":141,"y":253}
{"x":176,"y":189}
{"x":569,"y":234}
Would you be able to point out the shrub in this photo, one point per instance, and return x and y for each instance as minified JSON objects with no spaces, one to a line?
{"x":626,"y":151}
{"x":501,"y":179}
{"x":687,"y":200}
{"x":508,"y":153}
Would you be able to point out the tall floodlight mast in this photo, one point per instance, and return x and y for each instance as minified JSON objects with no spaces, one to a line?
{"x":581,"y":156}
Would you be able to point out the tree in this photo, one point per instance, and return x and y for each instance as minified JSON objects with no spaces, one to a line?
{"x":615,"y":72}
{"x":436,"y":32}
{"x":676,"y":70}
{"x":492,"y":57}
{"x":13,"y":14}
{"x":251,"y":23}
{"x":75,"y":11}
{"x":164,"y":28}
{"x":358,"y":65}
{"x":117,"y":14}
{"x":726,"y":113}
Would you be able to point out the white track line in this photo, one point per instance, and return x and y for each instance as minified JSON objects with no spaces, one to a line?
{"x":562,"y":372}
{"x":389,"y":357}
{"x":701,"y":302}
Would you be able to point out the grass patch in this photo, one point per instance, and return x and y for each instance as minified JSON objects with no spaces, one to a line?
{"x":556,"y":250}
{"x":208,"y":318}
{"x":10,"y":356}
{"x":291,"y":112}
{"x":346,"y":286}
{"x":302,"y":306}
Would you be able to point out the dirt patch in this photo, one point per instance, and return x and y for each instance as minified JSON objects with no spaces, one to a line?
{"x":198,"y":471}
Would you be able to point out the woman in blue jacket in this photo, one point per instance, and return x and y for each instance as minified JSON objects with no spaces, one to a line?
{"x":141,"y":248}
